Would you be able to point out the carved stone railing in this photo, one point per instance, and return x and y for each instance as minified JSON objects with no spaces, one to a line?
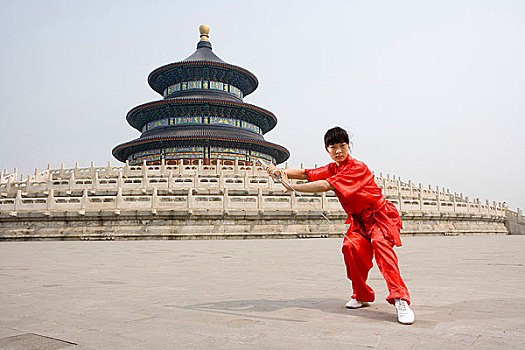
{"x":237,"y":192}
{"x":111,"y":187}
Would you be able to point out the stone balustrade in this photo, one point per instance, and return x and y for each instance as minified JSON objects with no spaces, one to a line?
{"x":155,"y":186}
{"x":209,"y":192}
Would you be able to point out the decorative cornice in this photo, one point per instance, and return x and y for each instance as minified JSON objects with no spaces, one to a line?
{"x":121,"y":152}
{"x":157,"y":73}
{"x":136,"y":119}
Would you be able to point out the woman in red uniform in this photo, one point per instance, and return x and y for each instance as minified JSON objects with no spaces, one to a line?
{"x":374,"y":221}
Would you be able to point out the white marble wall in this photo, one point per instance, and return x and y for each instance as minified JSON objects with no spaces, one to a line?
{"x":184,"y":187}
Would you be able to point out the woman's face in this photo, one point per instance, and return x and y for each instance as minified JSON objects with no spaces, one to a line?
{"x":338,"y":152}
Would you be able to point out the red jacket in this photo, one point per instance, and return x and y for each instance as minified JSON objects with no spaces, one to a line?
{"x":361,"y":198}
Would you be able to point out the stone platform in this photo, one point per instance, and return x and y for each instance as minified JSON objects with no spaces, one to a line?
{"x":200,"y":201}
{"x":256,"y":294}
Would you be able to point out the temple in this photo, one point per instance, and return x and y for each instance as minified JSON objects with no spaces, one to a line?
{"x":202,"y":116}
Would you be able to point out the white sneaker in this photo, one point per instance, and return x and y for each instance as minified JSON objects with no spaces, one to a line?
{"x":356,"y":304}
{"x":405,"y":315}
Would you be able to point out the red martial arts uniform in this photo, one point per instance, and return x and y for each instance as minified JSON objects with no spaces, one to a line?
{"x":374,"y":227}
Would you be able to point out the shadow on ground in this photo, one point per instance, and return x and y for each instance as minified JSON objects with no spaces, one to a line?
{"x":259,"y":307}
{"x":427,"y":316}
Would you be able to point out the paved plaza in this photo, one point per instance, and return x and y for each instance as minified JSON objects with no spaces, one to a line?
{"x":467,"y":292}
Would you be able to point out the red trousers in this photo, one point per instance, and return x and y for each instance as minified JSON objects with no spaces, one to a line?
{"x":358,"y":252}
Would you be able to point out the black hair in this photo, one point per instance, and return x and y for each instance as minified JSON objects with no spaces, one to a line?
{"x":336,"y":135}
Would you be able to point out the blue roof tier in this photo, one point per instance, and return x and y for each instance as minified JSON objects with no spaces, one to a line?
{"x":209,"y":136}
{"x":202,"y":64}
{"x":151,"y":111}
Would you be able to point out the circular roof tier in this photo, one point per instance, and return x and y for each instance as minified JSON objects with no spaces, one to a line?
{"x":178,"y":72}
{"x":151,"y":111}
{"x":202,"y":64}
{"x":211,"y":135}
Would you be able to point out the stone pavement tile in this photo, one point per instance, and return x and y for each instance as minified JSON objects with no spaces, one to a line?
{"x":165,"y":334}
{"x":90,"y":339}
{"x":102,"y":340}
{"x":12,"y":322}
{"x":31,"y":341}
{"x":8,"y":332}
{"x":239,"y":324}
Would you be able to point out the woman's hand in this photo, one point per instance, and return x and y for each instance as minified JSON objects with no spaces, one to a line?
{"x":274,"y":172}
{"x":285,"y":182}
{"x":271,"y":169}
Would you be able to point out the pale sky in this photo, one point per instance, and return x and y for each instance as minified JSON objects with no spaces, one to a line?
{"x":432,"y":92}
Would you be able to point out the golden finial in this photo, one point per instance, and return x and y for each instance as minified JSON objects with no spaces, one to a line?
{"x":205,"y":30}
